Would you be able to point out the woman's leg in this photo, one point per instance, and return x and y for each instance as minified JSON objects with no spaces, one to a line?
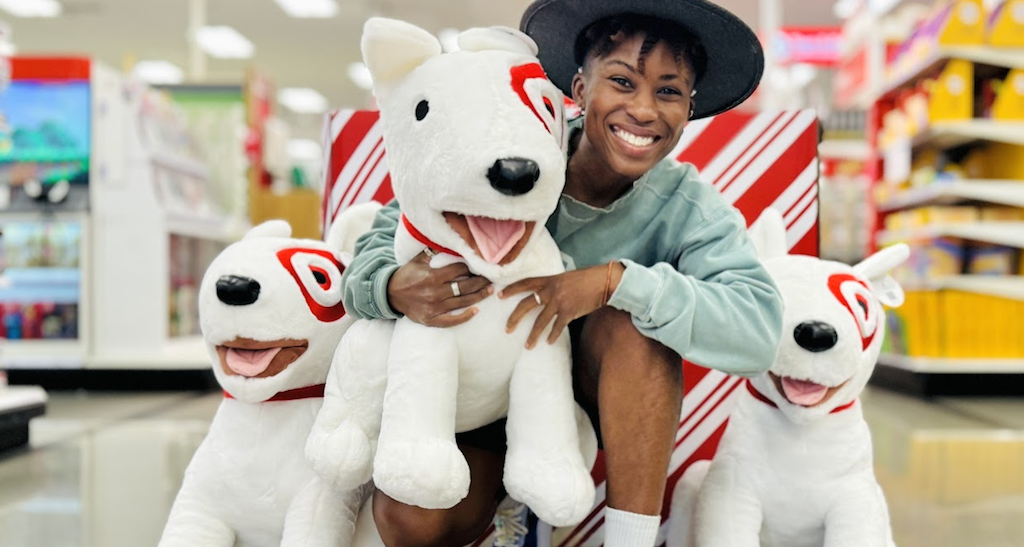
{"x":636,"y":385}
{"x":403,"y":525}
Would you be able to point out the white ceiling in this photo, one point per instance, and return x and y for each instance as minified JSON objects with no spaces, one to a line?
{"x":292,"y":52}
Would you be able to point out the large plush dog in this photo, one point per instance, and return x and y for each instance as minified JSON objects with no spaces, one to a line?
{"x":475,"y":143}
{"x":794,"y":468}
{"x":271,"y":314}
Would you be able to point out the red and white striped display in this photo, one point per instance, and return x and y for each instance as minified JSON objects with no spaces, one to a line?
{"x":755,"y":160}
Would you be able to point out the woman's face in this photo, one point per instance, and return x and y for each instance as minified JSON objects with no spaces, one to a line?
{"x":635,"y":113}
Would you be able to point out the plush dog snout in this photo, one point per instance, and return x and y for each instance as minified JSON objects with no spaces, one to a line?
{"x":237,"y":291}
{"x":815,"y":336}
{"x":513,"y":176}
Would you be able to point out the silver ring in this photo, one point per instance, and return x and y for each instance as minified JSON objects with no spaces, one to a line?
{"x":455,"y":288}
{"x":429,"y":252}
{"x":537,"y":298}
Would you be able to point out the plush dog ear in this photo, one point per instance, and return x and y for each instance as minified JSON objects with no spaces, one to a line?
{"x":876,"y":269}
{"x":350,"y":224}
{"x":392,"y":49}
{"x":768,"y":233}
{"x":500,"y":38}
{"x":270,"y":228}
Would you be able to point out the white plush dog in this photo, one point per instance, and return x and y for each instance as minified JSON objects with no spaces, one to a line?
{"x":475,"y":143}
{"x":794,"y":468}
{"x":271,"y":314}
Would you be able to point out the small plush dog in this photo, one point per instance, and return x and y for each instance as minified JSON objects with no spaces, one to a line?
{"x":475,"y":143}
{"x":794,"y":468}
{"x":271,"y":314}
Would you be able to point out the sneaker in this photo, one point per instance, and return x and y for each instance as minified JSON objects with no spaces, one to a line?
{"x":511,"y":524}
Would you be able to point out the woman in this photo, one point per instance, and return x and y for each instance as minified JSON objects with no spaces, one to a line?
{"x":659,"y":266}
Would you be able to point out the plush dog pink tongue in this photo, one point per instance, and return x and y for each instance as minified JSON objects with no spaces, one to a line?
{"x":495,"y":238}
{"x":250,"y":362}
{"x":803,"y":393}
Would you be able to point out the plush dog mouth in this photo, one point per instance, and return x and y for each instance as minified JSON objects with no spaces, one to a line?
{"x":803,"y":393}
{"x":254,"y":359}
{"x":496,"y":241}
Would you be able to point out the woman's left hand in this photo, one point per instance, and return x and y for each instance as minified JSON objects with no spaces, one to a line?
{"x":562,"y":298}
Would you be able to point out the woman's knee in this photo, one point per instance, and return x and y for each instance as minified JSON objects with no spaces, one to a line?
{"x":402,"y":525}
{"x":610,"y":337}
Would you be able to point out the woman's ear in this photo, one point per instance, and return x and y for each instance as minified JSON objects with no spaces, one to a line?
{"x":578,"y":88}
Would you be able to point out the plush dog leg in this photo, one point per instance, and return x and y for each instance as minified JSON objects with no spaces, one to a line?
{"x":191,"y":524}
{"x":858,"y":517}
{"x":684,"y":505}
{"x":544,"y":468}
{"x":417,"y":460}
{"x":341,"y":443}
{"x":323,"y":516}
{"x":728,"y":512}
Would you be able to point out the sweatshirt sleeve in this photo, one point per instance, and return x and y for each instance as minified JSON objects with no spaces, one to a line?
{"x":717,"y":306}
{"x":365,"y":281}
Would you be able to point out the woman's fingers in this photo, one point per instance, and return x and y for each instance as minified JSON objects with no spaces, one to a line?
{"x":547,"y":313}
{"x":524,"y":307}
{"x":446,"y":320}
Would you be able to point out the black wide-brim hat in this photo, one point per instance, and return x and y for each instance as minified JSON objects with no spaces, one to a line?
{"x":735,"y":60}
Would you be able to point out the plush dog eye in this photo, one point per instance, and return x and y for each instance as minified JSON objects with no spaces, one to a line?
{"x":320,"y":277}
{"x":421,"y":110}
{"x":548,"y":106}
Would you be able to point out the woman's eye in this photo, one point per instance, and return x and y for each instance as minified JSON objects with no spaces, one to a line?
{"x":671,"y":91}
{"x":621,"y":81}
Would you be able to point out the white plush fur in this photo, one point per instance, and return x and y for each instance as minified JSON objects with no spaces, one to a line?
{"x":800,"y":475}
{"x":249,"y":483}
{"x":399,"y":391}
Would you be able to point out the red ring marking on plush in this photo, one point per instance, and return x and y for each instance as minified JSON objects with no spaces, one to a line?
{"x":522,"y":73}
{"x":834,"y":283}
{"x":324,"y":314}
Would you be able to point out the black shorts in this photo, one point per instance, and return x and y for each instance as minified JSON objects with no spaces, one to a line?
{"x":492,"y":438}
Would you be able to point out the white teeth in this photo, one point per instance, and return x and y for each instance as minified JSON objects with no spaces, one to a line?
{"x":635,"y":140}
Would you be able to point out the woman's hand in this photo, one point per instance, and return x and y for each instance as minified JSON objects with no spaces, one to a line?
{"x":563,"y":298}
{"x":428,"y":296}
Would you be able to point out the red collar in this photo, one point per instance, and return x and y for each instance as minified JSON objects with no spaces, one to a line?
{"x":761,"y":397}
{"x":308,"y":392}
{"x":418,"y":236}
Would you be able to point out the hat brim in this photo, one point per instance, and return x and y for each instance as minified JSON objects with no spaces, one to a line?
{"x":735,"y":59}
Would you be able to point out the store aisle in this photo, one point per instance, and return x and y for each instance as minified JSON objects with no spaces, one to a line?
{"x":104,"y":468}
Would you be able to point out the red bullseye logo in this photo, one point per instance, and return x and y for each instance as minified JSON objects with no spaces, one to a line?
{"x":855,"y":296}
{"x":532,"y":86}
{"x":318,"y":274}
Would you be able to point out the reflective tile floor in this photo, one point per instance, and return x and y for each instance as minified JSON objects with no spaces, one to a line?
{"x":102,"y":469}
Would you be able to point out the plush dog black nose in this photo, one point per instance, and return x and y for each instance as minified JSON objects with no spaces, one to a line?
{"x":237,"y":291}
{"x":514,"y":176}
{"x":815,"y":336}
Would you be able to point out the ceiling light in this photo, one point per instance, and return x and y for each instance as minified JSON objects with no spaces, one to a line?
{"x":158,"y":72}
{"x":31,"y":8}
{"x":7,"y":49}
{"x":360,"y":75}
{"x":320,"y":9}
{"x":305,"y":150}
{"x":302,"y":100}
{"x":224,"y":43}
{"x":844,"y":9}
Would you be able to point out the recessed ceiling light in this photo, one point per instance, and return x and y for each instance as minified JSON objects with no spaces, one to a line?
{"x":360,"y":75}
{"x":224,"y":43}
{"x":320,"y":9}
{"x":158,"y":72}
{"x":31,"y":8}
{"x":303,"y":100}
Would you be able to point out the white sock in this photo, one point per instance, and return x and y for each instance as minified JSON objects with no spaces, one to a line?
{"x":625,"y":529}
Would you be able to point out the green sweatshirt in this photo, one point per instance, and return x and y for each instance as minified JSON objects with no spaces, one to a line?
{"x":692,"y":279}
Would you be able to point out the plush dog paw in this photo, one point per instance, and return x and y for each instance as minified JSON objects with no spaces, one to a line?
{"x":343,"y":456}
{"x":558,"y":488}
{"x":428,"y":473}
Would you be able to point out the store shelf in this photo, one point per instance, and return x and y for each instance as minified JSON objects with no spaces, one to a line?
{"x":1003,"y":192}
{"x":986,"y":55}
{"x":1010,"y":234}
{"x":49,"y":354}
{"x":952,"y":134}
{"x":180,"y":165}
{"x":844,"y":149}
{"x":1011,"y":287}
{"x":13,"y":398}
{"x":202,"y":227}
{"x":933,"y":365}
{"x":51,"y":285}
{"x":183,"y":353}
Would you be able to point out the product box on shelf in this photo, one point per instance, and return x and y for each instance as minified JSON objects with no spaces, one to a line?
{"x":755,"y":160}
{"x":1006,"y":24}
